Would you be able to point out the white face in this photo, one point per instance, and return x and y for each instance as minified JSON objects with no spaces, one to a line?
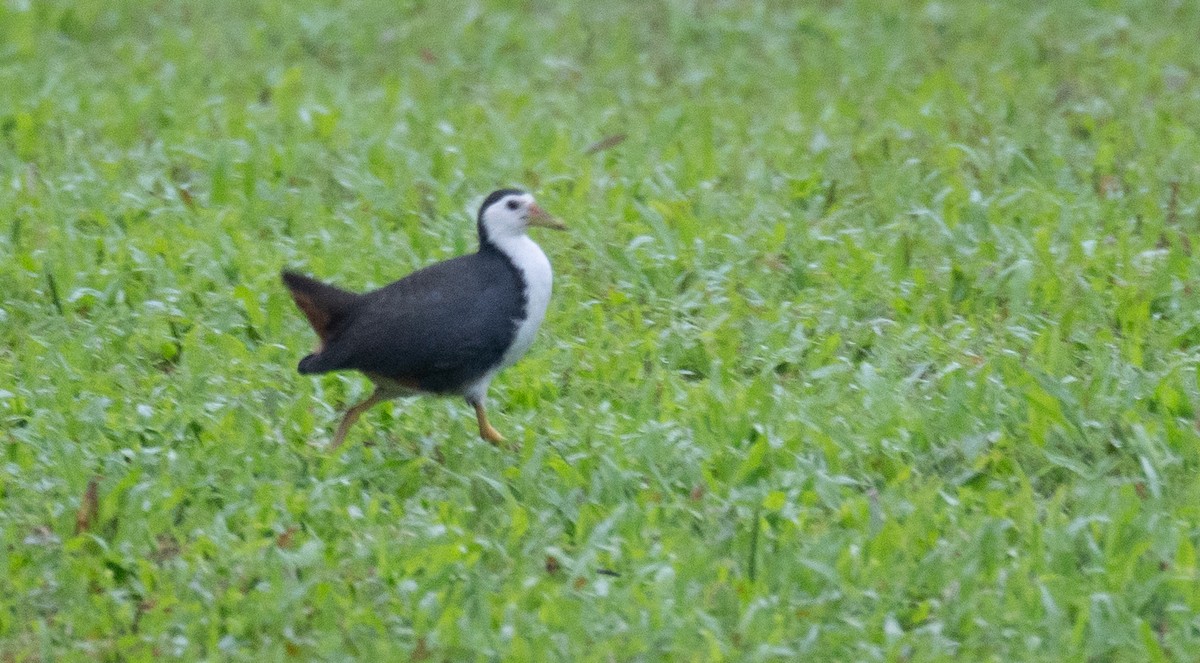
{"x":508,"y":216}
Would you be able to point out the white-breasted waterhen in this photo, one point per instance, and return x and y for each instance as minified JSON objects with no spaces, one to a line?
{"x":445,"y":329}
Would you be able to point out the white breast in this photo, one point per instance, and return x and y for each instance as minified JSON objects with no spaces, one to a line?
{"x":535,"y":268}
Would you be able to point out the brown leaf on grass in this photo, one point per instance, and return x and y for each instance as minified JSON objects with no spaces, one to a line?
{"x":1108,"y":186}
{"x":698,"y":492}
{"x":421,"y":651}
{"x":88,"y":507}
{"x":168,"y":547}
{"x":775,"y":262}
{"x":286,"y":538}
{"x":41,"y":535}
{"x":552,"y":565}
{"x":605,"y":143}
{"x":186,"y":197}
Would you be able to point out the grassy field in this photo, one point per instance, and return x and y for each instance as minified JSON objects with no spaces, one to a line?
{"x":874,"y":338}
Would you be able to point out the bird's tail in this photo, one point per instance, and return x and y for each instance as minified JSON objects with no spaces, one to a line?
{"x":324,"y":305}
{"x":311,"y":364}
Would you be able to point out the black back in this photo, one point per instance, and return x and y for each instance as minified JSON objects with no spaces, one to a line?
{"x":440,"y":328}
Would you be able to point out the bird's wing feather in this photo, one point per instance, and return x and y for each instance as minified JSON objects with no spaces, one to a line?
{"x":438,"y":327}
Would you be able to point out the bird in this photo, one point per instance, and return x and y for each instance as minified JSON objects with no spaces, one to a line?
{"x":445,"y":329}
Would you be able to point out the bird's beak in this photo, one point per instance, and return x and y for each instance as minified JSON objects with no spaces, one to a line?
{"x":539,"y":217}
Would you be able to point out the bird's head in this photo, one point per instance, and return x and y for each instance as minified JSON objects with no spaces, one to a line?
{"x":509,"y":212}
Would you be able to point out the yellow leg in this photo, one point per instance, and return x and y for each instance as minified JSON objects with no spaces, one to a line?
{"x":485,"y":428}
{"x":352,"y":416}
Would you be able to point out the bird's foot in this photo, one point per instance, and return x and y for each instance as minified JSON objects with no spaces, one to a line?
{"x":497,"y":440}
{"x":494,"y":437}
{"x":487,"y":432}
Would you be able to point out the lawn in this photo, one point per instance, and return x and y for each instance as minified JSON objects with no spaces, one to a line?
{"x":874,"y":337}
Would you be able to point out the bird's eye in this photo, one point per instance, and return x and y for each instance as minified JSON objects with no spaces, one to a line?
{"x":512,"y":204}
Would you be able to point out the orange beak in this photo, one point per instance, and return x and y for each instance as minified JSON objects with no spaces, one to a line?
{"x":539,"y":217}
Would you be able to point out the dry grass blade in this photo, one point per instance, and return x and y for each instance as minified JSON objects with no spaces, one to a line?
{"x":606,"y":143}
{"x":89,"y":506}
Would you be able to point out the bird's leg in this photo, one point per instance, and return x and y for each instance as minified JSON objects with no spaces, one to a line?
{"x":352,"y":416}
{"x":485,"y":428}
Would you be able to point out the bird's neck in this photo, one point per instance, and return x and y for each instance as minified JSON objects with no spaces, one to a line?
{"x":522,"y":251}
{"x":537,"y":280}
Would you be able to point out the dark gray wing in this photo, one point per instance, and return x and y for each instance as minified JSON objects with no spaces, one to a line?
{"x":440,"y":327}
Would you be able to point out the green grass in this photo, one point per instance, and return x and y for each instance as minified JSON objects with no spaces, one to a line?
{"x":875,"y":339}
